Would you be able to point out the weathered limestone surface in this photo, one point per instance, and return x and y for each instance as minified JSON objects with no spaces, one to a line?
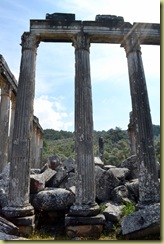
{"x":79,"y":226}
{"x":7,"y":237}
{"x":148,"y":33}
{"x":89,"y":231}
{"x":131,"y":133}
{"x":81,"y":33}
{"x":85,"y":179}
{"x":53,"y":199}
{"x":18,"y":198}
{"x":36,"y":144}
{"x":142,"y":219}
{"x":149,"y":191}
{"x":105,"y":183}
{"x":13,"y":105}
{"x":38,"y":181}
{"x":8,"y":227}
{"x":113,"y":212}
{"x":4,"y":123}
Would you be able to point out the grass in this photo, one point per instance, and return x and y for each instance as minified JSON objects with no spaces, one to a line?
{"x":128,"y":208}
{"x":41,"y":235}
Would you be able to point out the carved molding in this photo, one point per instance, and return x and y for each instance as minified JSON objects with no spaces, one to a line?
{"x":5,"y":88}
{"x":81,"y":41}
{"x":131,"y":44}
{"x":29,"y":41}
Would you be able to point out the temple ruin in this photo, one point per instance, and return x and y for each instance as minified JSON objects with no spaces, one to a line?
{"x":64,"y":28}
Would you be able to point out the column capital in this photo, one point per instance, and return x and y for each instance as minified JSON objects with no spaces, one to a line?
{"x":81,"y":41}
{"x":131,"y":43}
{"x":29,"y":41}
{"x":5,"y":88}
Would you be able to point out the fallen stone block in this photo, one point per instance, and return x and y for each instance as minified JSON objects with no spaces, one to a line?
{"x":7,"y":237}
{"x":53,"y":199}
{"x":8,"y":227}
{"x":38,"y":181}
{"x":113,"y":212}
{"x":143,"y":222}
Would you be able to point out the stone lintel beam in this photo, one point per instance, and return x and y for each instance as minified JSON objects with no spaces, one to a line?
{"x":53,"y":31}
{"x":6,"y":74}
{"x":37,"y":124}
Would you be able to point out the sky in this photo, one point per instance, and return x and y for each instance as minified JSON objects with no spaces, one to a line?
{"x":55,"y":66}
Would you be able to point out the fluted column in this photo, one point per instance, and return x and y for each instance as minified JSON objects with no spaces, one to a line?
{"x":33,"y":146}
{"x":13,"y":104}
{"x":149,"y":190}
{"x":18,"y":198}
{"x":4,"y":123}
{"x":85,"y":173}
{"x":131,"y":133}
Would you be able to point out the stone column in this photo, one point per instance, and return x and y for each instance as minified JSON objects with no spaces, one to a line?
{"x":85,"y":171}
{"x":19,"y":185}
{"x":131,"y":133}
{"x":13,"y":104}
{"x":33,"y":146}
{"x":149,"y":191}
{"x":40,"y":147}
{"x":4,"y":123}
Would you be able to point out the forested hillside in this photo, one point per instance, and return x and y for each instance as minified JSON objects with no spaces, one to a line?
{"x":116,"y":144}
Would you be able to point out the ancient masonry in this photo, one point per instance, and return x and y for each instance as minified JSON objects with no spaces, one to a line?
{"x":64,"y":28}
{"x":8,"y":88}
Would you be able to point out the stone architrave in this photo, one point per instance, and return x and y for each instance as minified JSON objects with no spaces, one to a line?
{"x":85,"y":204}
{"x":19,"y":185}
{"x":149,"y":191}
{"x":4,"y":123}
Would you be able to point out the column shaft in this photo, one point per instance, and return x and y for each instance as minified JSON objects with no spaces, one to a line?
{"x":148,"y":177}
{"x":18,"y":198}
{"x":131,"y":133}
{"x":4,"y":123}
{"x":13,"y":104}
{"x":85,"y":184}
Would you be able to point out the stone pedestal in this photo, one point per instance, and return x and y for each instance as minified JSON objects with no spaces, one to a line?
{"x":149,"y":190}
{"x":90,"y":227}
{"x":26,"y":224}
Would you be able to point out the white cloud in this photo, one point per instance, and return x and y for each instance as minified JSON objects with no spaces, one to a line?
{"x":56,"y":61}
{"x":132,"y":11}
{"x":50,"y":114}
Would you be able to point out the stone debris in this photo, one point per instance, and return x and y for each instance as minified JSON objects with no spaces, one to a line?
{"x":143,"y":222}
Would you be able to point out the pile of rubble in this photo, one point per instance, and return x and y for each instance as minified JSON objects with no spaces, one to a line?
{"x":52,"y":190}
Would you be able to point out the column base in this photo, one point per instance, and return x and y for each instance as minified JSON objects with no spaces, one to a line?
{"x":89,"y":227}
{"x":10,"y":212}
{"x":84,"y":210}
{"x":25,"y":224}
{"x":22,"y":217}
